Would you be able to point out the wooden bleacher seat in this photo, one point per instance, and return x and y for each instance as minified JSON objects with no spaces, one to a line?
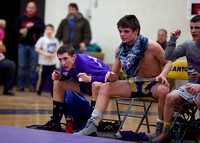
{"x":97,"y":55}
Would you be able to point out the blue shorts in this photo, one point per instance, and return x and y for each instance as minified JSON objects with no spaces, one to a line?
{"x":142,"y":88}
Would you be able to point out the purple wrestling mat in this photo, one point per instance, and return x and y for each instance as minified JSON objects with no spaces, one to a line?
{"x":23,"y":135}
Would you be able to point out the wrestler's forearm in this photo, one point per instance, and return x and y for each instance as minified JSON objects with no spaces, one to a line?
{"x":170,"y":48}
{"x":166,"y":68}
{"x":116,"y":67}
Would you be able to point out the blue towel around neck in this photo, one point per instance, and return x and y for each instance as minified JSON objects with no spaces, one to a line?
{"x":130,"y":57}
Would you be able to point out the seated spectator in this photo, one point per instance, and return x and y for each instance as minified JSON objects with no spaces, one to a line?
{"x":6,"y":66}
{"x":138,"y":56}
{"x":188,"y":92}
{"x":78,"y":72}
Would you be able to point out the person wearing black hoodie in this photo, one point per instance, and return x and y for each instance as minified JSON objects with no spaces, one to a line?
{"x":29,"y":28}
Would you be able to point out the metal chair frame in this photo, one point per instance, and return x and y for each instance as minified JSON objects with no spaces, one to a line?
{"x":126,"y":114}
{"x":190,"y":121}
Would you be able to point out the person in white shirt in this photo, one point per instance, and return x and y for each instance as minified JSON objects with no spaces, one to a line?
{"x":47,"y":47}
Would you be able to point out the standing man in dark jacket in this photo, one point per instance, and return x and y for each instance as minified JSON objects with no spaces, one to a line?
{"x":30,"y":27}
{"x":162,"y":38}
{"x":74,"y":29}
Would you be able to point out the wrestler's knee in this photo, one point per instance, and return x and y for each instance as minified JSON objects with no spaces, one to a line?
{"x":95,"y":90}
{"x":105,"y":89}
{"x":96,"y":86}
{"x":171,"y":99}
{"x":198,"y":106}
{"x":162,"y":91}
{"x":198,"y":102}
{"x":57,"y":85}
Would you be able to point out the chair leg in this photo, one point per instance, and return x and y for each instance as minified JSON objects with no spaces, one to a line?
{"x":184,"y":133}
{"x":195,"y":127}
{"x":145,"y":116}
{"x":126,"y":114}
{"x":176,"y":116}
{"x":196,"y":132}
{"x":192,"y":119}
{"x":119,"y":117}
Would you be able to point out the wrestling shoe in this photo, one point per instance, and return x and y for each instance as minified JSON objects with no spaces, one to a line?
{"x":164,"y":137}
{"x":159,"y":127}
{"x":51,"y":126}
{"x":89,"y":130}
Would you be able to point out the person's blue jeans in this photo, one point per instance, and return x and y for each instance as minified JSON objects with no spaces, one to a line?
{"x":27,"y":60}
{"x":8,"y":67}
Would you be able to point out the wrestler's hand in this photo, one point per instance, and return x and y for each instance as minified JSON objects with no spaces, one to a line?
{"x":56,"y":75}
{"x":194,"y":76}
{"x":162,"y":80}
{"x":193,"y":88}
{"x":83,"y":77}
{"x":176,"y":33}
{"x":111,"y":76}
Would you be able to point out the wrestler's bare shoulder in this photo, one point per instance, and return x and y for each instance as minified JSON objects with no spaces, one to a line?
{"x":152,"y":45}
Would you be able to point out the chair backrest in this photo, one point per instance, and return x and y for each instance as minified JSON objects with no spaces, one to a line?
{"x":178,"y":70}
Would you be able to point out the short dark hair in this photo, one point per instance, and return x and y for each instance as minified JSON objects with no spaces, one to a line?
{"x":130,"y":21}
{"x":49,"y":25}
{"x":195,"y":19}
{"x":66,"y":49}
{"x":74,"y":5}
{"x":162,"y":29}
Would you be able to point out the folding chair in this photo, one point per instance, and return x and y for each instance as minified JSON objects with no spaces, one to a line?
{"x":179,"y":71}
{"x":146,"y":105}
{"x":187,"y":111}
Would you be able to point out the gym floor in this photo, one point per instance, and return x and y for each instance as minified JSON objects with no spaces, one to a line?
{"x":27,"y":108}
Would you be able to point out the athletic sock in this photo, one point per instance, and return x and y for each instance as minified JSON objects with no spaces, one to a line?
{"x":57,"y":111}
{"x":160,"y":120}
{"x":92,"y":106}
{"x":96,"y":117}
{"x":167,"y":124}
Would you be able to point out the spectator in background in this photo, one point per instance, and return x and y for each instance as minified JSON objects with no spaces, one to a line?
{"x":74,"y":29}
{"x":47,"y":47}
{"x":30,"y":27}
{"x":6,"y":66}
{"x":188,"y":92}
{"x":162,"y":40}
{"x":2,"y":35}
